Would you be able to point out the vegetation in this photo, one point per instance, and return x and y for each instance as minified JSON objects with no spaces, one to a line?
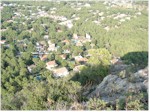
{"x":24,"y":30}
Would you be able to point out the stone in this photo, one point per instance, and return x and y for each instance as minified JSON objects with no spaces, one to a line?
{"x":114,"y":87}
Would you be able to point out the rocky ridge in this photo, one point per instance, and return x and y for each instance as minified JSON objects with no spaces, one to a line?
{"x":118,"y":84}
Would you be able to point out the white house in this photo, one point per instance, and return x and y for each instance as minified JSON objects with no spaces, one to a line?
{"x":75,"y":36}
{"x":2,"y":41}
{"x":52,"y":47}
{"x":87,"y":36}
{"x":87,"y":5}
{"x":107,"y":28}
{"x":67,"y":23}
{"x":46,"y":36}
{"x":66,"y":51}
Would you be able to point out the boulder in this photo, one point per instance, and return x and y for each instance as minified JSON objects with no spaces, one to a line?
{"x":115,"y":87}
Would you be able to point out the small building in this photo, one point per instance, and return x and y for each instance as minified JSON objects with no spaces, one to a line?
{"x":78,"y":68}
{"x":79,"y":43}
{"x":122,"y":20}
{"x":77,"y":18}
{"x":80,"y":59}
{"x":138,"y":13}
{"x":60,"y":72}
{"x":31,"y":67}
{"x":59,"y":30}
{"x":10,"y":21}
{"x":66,"y":51}
{"x":67,"y":23}
{"x":46,"y":37}
{"x":51,"y":64}
{"x":43,"y":43}
{"x":66,"y":41}
{"x":52,"y":47}
{"x":44,"y":57}
{"x":101,"y":14}
{"x":2,"y":41}
{"x":63,"y":56}
{"x":87,"y":5}
{"x":107,"y":28}
{"x":75,"y":36}
{"x":87,"y":36}
{"x":116,"y":61}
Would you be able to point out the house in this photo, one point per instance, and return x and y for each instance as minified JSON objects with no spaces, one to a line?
{"x":60,"y":72}
{"x":78,"y":68}
{"x":138,"y":13}
{"x":37,"y":44}
{"x":53,"y":12}
{"x":51,"y":64}
{"x":80,"y":59}
{"x":73,"y":16}
{"x":59,"y":30}
{"x":31,"y":67}
{"x":2,"y":41}
{"x":46,"y":36}
{"x":128,"y":18}
{"x":75,"y":36}
{"x":116,"y":61}
{"x":122,"y":20}
{"x":66,"y":41}
{"x":92,"y":45}
{"x":49,"y":42}
{"x":52,"y":47}
{"x":107,"y":28}
{"x":79,"y":43}
{"x":77,"y":18}
{"x":63,"y":56}
{"x":87,"y":36}
{"x":97,"y":22}
{"x":87,"y":5}
{"x":9,"y":21}
{"x":40,"y":47}
{"x":43,"y":43}
{"x":66,"y":51}
{"x":101,"y":14}
{"x":2,"y":30}
{"x":44,"y":57}
{"x":102,"y":18}
{"x":67,"y":23}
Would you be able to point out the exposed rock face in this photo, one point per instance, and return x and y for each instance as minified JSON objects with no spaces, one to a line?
{"x":115,"y":86}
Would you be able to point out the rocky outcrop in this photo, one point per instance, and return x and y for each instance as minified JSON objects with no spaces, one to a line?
{"x":116,"y":86}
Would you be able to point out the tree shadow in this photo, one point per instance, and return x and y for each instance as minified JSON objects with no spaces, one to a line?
{"x":138,"y":59}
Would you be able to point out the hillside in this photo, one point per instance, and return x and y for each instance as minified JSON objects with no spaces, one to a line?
{"x":74,"y":55}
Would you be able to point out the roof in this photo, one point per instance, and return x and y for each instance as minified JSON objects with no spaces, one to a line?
{"x":2,"y":41}
{"x":51,"y":63}
{"x":78,"y":67}
{"x":44,"y":57}
{"x":65,"y":41}
{"x":63,"y":56}
{"x":60,"y":70}
{"x":75,"y":36}
{"x":80,"y":58}
{"x":43,"y":42}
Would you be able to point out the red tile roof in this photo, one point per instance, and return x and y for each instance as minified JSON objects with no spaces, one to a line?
{"x":51,"y":63}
